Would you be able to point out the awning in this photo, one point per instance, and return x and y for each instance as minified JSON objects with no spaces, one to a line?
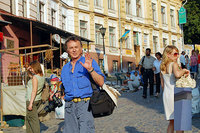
{"x":4,"y":23}
{"x":41,"y":26}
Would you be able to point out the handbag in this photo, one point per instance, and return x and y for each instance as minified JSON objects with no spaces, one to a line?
{"x":101,"y":104}
{"x":142,"y":68}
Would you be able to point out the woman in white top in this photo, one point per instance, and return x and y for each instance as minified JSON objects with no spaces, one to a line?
{"x":156,"y":69}
{"x":169,"y":72}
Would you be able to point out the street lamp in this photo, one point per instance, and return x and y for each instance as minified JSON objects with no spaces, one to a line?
{"x":103,"y":31}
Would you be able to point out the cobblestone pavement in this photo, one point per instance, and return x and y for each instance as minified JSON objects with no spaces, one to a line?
{"x":133,"y":115}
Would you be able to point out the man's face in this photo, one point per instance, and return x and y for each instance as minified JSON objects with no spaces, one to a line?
{"x":74,"y":49}
{"x":147,"y":53}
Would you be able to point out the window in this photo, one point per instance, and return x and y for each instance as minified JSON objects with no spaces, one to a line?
{"x":97,"y":3}
{"x":145,"y":40}
{"x":85,"y":1}
{"x":111,"y":4}
{"x":63,"y":22}
{"x":129,"y":66}
{"x":138,"y":8}
{"x":83,"y":29}
{"x":172,"y":17}
{"x":101,"y":64}
{"x":41,"y":12}
{"x":112,"y":36}
{"x":154,"y":11}
{"x":174,"y":42}
{"x":164,"y":42}
{"x":127,"y":40}
{"x":24,"y":8}
{"x":98,"y":36}
{"x":135,"y":38}
{"x":115,"y":64}
{"x":53,"y":17}
{"x":128,"y":7}
{"x":155,"y":44}
{"x":163,"y":14}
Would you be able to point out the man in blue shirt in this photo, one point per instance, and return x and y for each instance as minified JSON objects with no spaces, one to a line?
{"x":75,"y":78}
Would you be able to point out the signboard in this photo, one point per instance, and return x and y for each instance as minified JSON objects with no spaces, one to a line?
{"x":56,"y":38}
{"x":182,"y":15}
{"x":1,"y":36}
{"x":128,"y":52}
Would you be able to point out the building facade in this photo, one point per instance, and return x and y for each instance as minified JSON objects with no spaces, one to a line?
{"x":152,"y":24}
{"x":148,"y":24}
{"x":54,"y":12}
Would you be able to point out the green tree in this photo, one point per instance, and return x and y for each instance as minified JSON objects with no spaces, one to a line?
{"x":192,"y":27}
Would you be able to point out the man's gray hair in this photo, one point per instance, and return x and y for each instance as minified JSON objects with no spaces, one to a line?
{"x":72,"y":38}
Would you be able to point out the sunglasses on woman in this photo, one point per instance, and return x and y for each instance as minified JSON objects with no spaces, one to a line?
{"x":176,"y":54}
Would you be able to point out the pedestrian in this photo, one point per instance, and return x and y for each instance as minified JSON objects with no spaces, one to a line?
{"x":147,"y":63}
{"x":156,"y":69}
{"x":187,"y":62}
{"x":34,"y":96}
{"x":170,"y":71}
{"x":193,"y":63}
{"x":134,"y":83}
{"x":182,"y":59}
{"x":127,"y":78}
{"x":76,"y":76}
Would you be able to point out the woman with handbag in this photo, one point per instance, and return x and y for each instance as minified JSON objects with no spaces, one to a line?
{"x":170,"y":70}
{"x":33,"y":97}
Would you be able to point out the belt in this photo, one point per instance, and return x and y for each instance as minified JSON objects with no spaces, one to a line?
{"x":80,"y":99}
{"x":148,"y":69}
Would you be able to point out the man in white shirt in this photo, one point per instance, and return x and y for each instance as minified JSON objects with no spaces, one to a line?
{"x":182,"y":59}
{"x":134,"y":83}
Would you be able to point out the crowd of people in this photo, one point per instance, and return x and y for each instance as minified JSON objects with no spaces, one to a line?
{"x":77,"y":73}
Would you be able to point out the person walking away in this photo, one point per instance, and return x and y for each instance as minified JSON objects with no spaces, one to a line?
{"x":193,"y":63}
{"x":33,"y":97}
{"x":182,"y":59}
{"x":170,"y":71}
{"x":156,"y":70}
{"x":76,"y":76}
{"x":147,"y":63}
{"x":187,"y":62}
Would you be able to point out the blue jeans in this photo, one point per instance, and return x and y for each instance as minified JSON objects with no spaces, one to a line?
{"x":77,"y":118}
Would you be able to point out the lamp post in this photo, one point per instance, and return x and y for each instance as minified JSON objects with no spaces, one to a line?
{"x":103,"y":31}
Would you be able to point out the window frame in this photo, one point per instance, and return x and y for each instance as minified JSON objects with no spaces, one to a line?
{"x":163,"y":14}
{"x":98,"y":36}
{"x":112,"y":36}
{"x":83,"y":30}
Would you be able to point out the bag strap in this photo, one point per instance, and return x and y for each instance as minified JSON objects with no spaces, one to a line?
{"x":93,"y":84}
{"x":143,"y":60}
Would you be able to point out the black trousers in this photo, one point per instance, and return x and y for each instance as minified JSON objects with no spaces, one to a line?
{"x":158,"y":83}
{"x":148,"y":75}
{"x":183,"y":66}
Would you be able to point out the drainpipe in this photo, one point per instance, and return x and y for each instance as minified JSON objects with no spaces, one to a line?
{"x":120,"y":34}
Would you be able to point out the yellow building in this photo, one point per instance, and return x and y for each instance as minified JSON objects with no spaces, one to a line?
{"x":152,"y":24}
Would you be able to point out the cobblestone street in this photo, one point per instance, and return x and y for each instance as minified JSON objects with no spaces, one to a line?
{"x":133,"y":115}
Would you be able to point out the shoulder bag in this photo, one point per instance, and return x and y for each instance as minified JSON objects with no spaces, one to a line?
{"x":102,"y":102}
{"x":142,"y":68}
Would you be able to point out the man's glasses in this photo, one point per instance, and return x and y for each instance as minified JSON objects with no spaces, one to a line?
{"x":176,"y":54}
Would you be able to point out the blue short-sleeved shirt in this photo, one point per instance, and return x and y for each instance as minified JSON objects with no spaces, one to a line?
{"x":77,"y":84}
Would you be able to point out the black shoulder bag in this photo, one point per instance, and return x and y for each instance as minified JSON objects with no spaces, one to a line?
{"x":100,"y":103}
{"x":142,"y":68}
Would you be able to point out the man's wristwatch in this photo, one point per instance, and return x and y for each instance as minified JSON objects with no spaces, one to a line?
{"x":91,"y":70}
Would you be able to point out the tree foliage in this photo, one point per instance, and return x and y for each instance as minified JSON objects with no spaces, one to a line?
{"x":192,"y":27}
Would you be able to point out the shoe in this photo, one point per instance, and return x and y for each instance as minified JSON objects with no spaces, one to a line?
{"x":135,"y":90}
{"x":156,"y":95}
{"x":144,"y":96}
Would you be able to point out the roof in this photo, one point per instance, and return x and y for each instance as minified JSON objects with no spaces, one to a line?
{"x":41,"y":26}
{"x":4,"y":23}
